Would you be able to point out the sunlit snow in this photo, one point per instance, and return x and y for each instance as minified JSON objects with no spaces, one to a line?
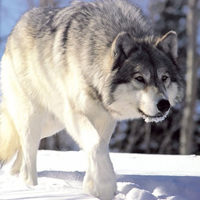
{"x":139,"y":177}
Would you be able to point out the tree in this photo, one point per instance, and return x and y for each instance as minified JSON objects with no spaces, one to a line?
{"x":187,"y":129}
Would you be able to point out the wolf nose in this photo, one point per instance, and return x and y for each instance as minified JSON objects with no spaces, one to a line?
{"x":163,"y":105}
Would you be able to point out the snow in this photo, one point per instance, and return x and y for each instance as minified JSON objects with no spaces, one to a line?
{"x":139,"y":177}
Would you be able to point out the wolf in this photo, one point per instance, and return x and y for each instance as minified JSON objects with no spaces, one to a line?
{"x":83,"y":68}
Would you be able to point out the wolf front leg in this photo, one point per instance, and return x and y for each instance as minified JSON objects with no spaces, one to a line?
{"x":93,"y":135}
{"x":100,"y":179}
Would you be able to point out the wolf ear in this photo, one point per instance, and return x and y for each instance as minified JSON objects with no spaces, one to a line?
{"x":121,"y":48}
{"x":169,"y":44}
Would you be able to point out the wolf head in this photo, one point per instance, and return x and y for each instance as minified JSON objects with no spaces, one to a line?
{"x":146,"y":80}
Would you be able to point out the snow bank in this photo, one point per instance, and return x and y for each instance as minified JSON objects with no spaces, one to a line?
{"x":140,"y":177}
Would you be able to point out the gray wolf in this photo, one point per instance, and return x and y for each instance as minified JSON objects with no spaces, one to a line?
{"x":83,"y":68}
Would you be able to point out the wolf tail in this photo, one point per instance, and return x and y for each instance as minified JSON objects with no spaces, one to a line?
{"x":9,"y":138}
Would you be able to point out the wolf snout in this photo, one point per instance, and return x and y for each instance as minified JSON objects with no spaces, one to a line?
{"x":163,"y":105}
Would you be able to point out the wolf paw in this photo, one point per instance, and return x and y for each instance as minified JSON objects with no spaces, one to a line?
{"x":103,"y":188}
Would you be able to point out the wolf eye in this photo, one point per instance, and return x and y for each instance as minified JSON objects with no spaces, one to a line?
{"x":140,"y":79}
{"x":164,"y":78}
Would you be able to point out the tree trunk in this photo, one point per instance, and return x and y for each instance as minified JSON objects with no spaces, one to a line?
{"x":187,"y":128}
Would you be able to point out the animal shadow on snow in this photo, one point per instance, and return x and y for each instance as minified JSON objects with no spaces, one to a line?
{"x":67,"y":176}
{"x":187,"y":186}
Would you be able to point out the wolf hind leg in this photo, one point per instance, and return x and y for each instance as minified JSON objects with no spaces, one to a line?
{"x":39,"y":124}
{"x":29,"y":140}
{"x":29,"y":124}
{"x":17,"y":164}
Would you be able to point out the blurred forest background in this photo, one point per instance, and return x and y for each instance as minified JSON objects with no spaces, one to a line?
{"x":179,"y":133}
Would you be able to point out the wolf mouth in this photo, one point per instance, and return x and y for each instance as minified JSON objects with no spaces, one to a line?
{"x":156,"y":118}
